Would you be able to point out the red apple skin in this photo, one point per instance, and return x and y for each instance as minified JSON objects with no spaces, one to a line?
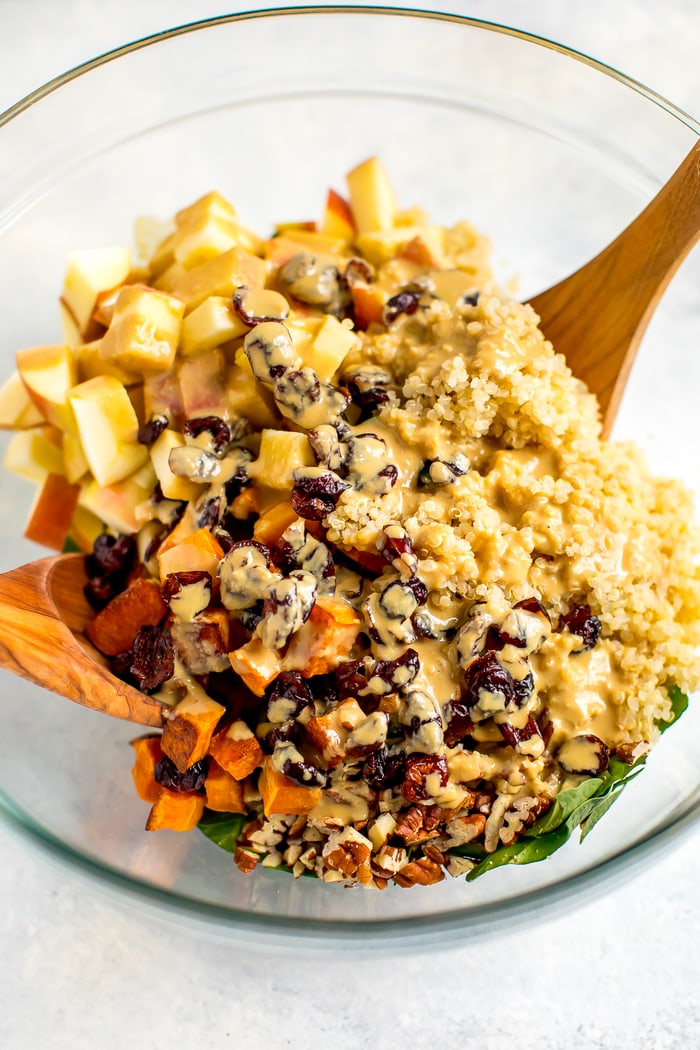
{"x":50,"y":520}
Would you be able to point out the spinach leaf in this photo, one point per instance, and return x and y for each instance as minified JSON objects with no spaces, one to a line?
{"x":70,"y":546}
{"x":222,"y":828}
{"x":679,"y":702}
{"x":581,"y":806}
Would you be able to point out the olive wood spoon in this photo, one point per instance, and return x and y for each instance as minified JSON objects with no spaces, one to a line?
{"x":597,"y":316}
{"x":43,"y":613}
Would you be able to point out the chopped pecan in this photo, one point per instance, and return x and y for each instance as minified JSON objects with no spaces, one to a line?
{"x":418,"y":824}
{"x":245,"y":860}
{"x":422,"y":872}
{"x":348,"y":852}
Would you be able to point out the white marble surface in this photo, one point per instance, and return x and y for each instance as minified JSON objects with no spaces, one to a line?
{"x":77,"y":972}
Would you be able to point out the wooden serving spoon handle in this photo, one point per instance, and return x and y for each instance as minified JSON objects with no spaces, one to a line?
{"x":42,"y":615}
{"x":597,"y":316}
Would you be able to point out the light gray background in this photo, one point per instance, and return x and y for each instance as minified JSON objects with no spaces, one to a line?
{"x":78,"y":972}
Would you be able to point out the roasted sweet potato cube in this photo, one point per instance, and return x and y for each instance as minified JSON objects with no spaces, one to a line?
{"x":329,"y":732}
{"x":175,"y":810}
{"x":273,"y":522}
{"x":148,"y":753}
{"x":188,"y":732}
{"x":199,"y":550}
{"x":237,"y":750}
{"x":282,"y":796}
{"x":114,"y":628}
{"x":325,"y":639}
{"x":224,"y":793}
{"x":256,"y":665}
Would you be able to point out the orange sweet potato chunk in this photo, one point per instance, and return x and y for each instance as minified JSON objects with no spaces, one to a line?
{"x":282,"y":796}
{"x":187,"y":734}
{"x":176,"y":811}
{"x":148,"y":753}
{"x":256,"y":665}
{"x":224,"y":794}
{"x":115,"y":627}
{"x":273,"y":522}
{"x":237,"y":750}
{"x":199,"y":550}
{"x":325,"y":639}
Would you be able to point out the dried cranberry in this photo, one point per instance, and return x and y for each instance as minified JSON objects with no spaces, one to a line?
{"x":418,"y":769}
{"x":523,"y":689}
{"x":287,"y":697}
{"x":459,"y":725}
{"x":470,"y":300}
{"x":351,"y":677}
{"x":390,"y":473}
{"x":486,"y":674}
{"x":152,"y":658}
{"x":420,"y":591}
{"x":236,"y":483}
{"x":580,"y":621}
{"x":111,"y":555}
{"x":287,"y":732}
{"x":369,"y":397}
{"x":382,"y":770}
{"x":100,"y":590}
{"x":250,"y":618}
{"x":515,"y":735}
{"x":324,"y":687}
{"x":175,"y":581}
{"x":532,"y":605}
{"x":209,"y":514}
{"x":390,"y":675}
{"x":305,"y":773}
{"x":262,"y":547}
{"x":395,"y":545}
{"x":216,"y":427}
{"x":151,"y":430}
{"x":167,"y":774}
{"x":405,"y":302}
{"x":314,"y":496}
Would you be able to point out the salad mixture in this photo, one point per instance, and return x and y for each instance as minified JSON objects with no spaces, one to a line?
{"x":348,"y":515}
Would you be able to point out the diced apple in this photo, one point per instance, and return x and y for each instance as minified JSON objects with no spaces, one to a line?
{"x":115,"y":505}
{"x":172,"y":486}
{"x":91,"y":363}
{"x":145,"y":330}
{"x":50,"y":517}
{"x":213,"y":322}
{"x":161,"y":397}
{"x":75,"y":463}
{"x":209,"y":229}
{"x":17,"y":410}
{"x":368,"y":302}
{"x":332,"y":343}
{"x":221,"y":275}
{"x":89,"y":272}
{"x":247,"y":399}
{"x":49,"y":373}
{"x":35,"y":453}
{"x":108,"y":428}
{"x":202,"y":385}
{"x":337,"y":218}
{"x":85,"y":528}
{"x":379,"y":246}
{"x":281,"y":452}
{"x":372,"y":198}
{"x":72,"y":335}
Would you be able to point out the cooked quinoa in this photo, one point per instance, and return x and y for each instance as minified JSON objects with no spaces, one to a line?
{"x":404,"y":592}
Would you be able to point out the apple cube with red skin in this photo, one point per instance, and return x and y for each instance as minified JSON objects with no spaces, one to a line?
{"x":50,"y":518}
{"x":337,"y":217}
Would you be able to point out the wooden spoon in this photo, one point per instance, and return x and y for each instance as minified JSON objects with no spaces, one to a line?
{"x":597,"y":316}
{"x":43,"y":613}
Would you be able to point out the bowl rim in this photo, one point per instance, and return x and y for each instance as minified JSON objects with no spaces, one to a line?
{"x":140,"y":43}
{"x":446,"y":926}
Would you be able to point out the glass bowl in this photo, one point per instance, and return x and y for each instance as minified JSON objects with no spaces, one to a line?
{"x":547,"y":151}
